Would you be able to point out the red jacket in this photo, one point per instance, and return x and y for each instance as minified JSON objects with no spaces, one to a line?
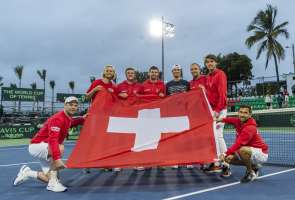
{"x":246,"y":135}
{"x":132,"y":89}
{"x":216,"y":89}
{"x":55,"y":130}
{"x":105,"y":85}
{"x":196,"y":82}
{"x":150,"y":88}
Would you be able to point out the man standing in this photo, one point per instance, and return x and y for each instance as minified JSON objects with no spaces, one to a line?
{"x":129,"y":87}
{"x":198,"y":78}
{"x":153,"y":86}
{"x":249,"y":148}
{"x":177,"y":85}
{"x":108,"y":76}
{"x":216,"y":90}
{"x":47,"y":147}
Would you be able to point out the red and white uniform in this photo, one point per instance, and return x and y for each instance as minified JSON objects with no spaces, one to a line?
{"x":55,"y":130}
{"x":196,"y":82}
{"x":132,"y":89}
{"x":216,"y":90}
{"x":246,"y":135}
{"x":107,"y":86}
{"x":153,"y":88}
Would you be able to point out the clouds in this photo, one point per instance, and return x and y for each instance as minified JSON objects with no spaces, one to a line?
{"x":75,"y":39}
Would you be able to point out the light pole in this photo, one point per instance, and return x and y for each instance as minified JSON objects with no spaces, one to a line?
{"x":163,"y":29}
{"x":293,"y":54}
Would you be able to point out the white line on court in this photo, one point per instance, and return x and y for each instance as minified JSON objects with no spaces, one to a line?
{"x":16,"y":164}
{"x":224,"y":186}
{"x":26,"y":146}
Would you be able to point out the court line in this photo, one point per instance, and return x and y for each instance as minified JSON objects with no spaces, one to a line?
{"x":224,"y":186}
{"x":16,"y":164}
{"x":26,"y":146}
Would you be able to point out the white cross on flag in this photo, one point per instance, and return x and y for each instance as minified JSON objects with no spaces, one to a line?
{"x":174,"y":130}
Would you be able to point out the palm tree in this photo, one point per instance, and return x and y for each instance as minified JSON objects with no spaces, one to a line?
{"x":18,"y":70}
{"x":72,"y":86}
{"x":265,"y":32}
{"x":34,"y":87}
{"x":42,"y":75}
{"x":52,"y":86}
{"x":13,"y":86}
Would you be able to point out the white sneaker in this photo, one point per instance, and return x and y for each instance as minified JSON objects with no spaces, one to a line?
{"x":55,"y":186}
{"x":189,"y":166}
{"x":116,"y":169}
{"x":139,"y":168}
{"x":22,"y":175}
{"x":174,"y":167}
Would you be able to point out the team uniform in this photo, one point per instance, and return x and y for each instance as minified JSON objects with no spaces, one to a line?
{"x":48,"y":138}
{"x":216,"y":90}
{"x":132,"y":89}
{"x":174,"y":87}
{"x":106,"y":86}
{"x":153,"y":88}
{"x":247,"y":135}
{"x":201,"y":80}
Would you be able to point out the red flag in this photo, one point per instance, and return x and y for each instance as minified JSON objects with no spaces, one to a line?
{"x":175,"y":130}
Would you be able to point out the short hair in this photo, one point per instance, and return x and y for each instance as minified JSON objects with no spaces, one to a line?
{"x":154,"y":68}
{"x":246,"y":106}
{"x":129,"y":68}
{"x":211,"y":56}
{"x":196,"y":64}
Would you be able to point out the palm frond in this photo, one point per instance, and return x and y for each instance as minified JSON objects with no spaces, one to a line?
{"x":262,"y":47}
{"x":52,"y":84}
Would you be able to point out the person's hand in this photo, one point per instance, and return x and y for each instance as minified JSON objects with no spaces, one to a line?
{"x":58,"y":164}
{"x":161,"y":94}
{"x":215,"y":114}
{"x":85,"y":115}
{"x":202,"y":86}
{"x":222,"y":157}
{"x":110,"y":90}
{"x":123,"y":95}
{"x":98,"y":88}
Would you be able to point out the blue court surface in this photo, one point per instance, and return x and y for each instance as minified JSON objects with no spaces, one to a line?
{"x":274,"y":183}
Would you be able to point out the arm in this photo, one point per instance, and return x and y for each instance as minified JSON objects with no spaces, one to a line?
{"x":53,"y":143}
{"x":77,"y":121}
{"x":222,"y":90}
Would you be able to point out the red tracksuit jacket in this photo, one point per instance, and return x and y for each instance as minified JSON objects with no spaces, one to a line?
{"x":150,"y":88}
{"x":246,"y":135}
{"x":55,"y":130}
{"x":104,"y":85}
{"x":196,"y":82}
{"x":133,"y":89}
{"x":216,"y":89}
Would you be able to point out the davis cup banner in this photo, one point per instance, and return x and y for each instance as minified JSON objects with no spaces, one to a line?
{"x":175,"y":130}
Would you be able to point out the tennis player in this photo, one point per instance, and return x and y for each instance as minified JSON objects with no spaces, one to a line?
{"x":47,"y":147}
{"x":249,"y":148}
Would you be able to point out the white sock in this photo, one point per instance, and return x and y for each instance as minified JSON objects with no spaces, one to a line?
{"x":32,"y":174}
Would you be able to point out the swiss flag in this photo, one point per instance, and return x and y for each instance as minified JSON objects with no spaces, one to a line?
{"x":174,"y":130}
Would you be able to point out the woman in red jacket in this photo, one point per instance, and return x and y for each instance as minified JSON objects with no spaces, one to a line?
{"x":249,"y":148}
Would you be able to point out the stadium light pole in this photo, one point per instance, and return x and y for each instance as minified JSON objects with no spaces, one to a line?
{"x":293,"y":54}
{"x":161,"y":28}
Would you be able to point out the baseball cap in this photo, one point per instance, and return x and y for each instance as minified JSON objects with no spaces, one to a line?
{"x":176,"y":66}
{"x":70,"y":99}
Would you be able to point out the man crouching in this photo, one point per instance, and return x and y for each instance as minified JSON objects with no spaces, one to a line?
{"x":249,"y":148}
{"x":47,"y":147}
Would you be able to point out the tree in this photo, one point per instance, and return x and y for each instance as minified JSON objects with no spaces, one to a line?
{"x":141,"y":76}
{"x":18,"y":70}
{"x":34,"y":87}
{"x":42,"y":75}
{"x":237,"y":67}
{"x":92,"y":78}
{"x":265,"y":32}
{"x":52,"y":86}
{"x":13,"y":86}
{"x":72,"y":86}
